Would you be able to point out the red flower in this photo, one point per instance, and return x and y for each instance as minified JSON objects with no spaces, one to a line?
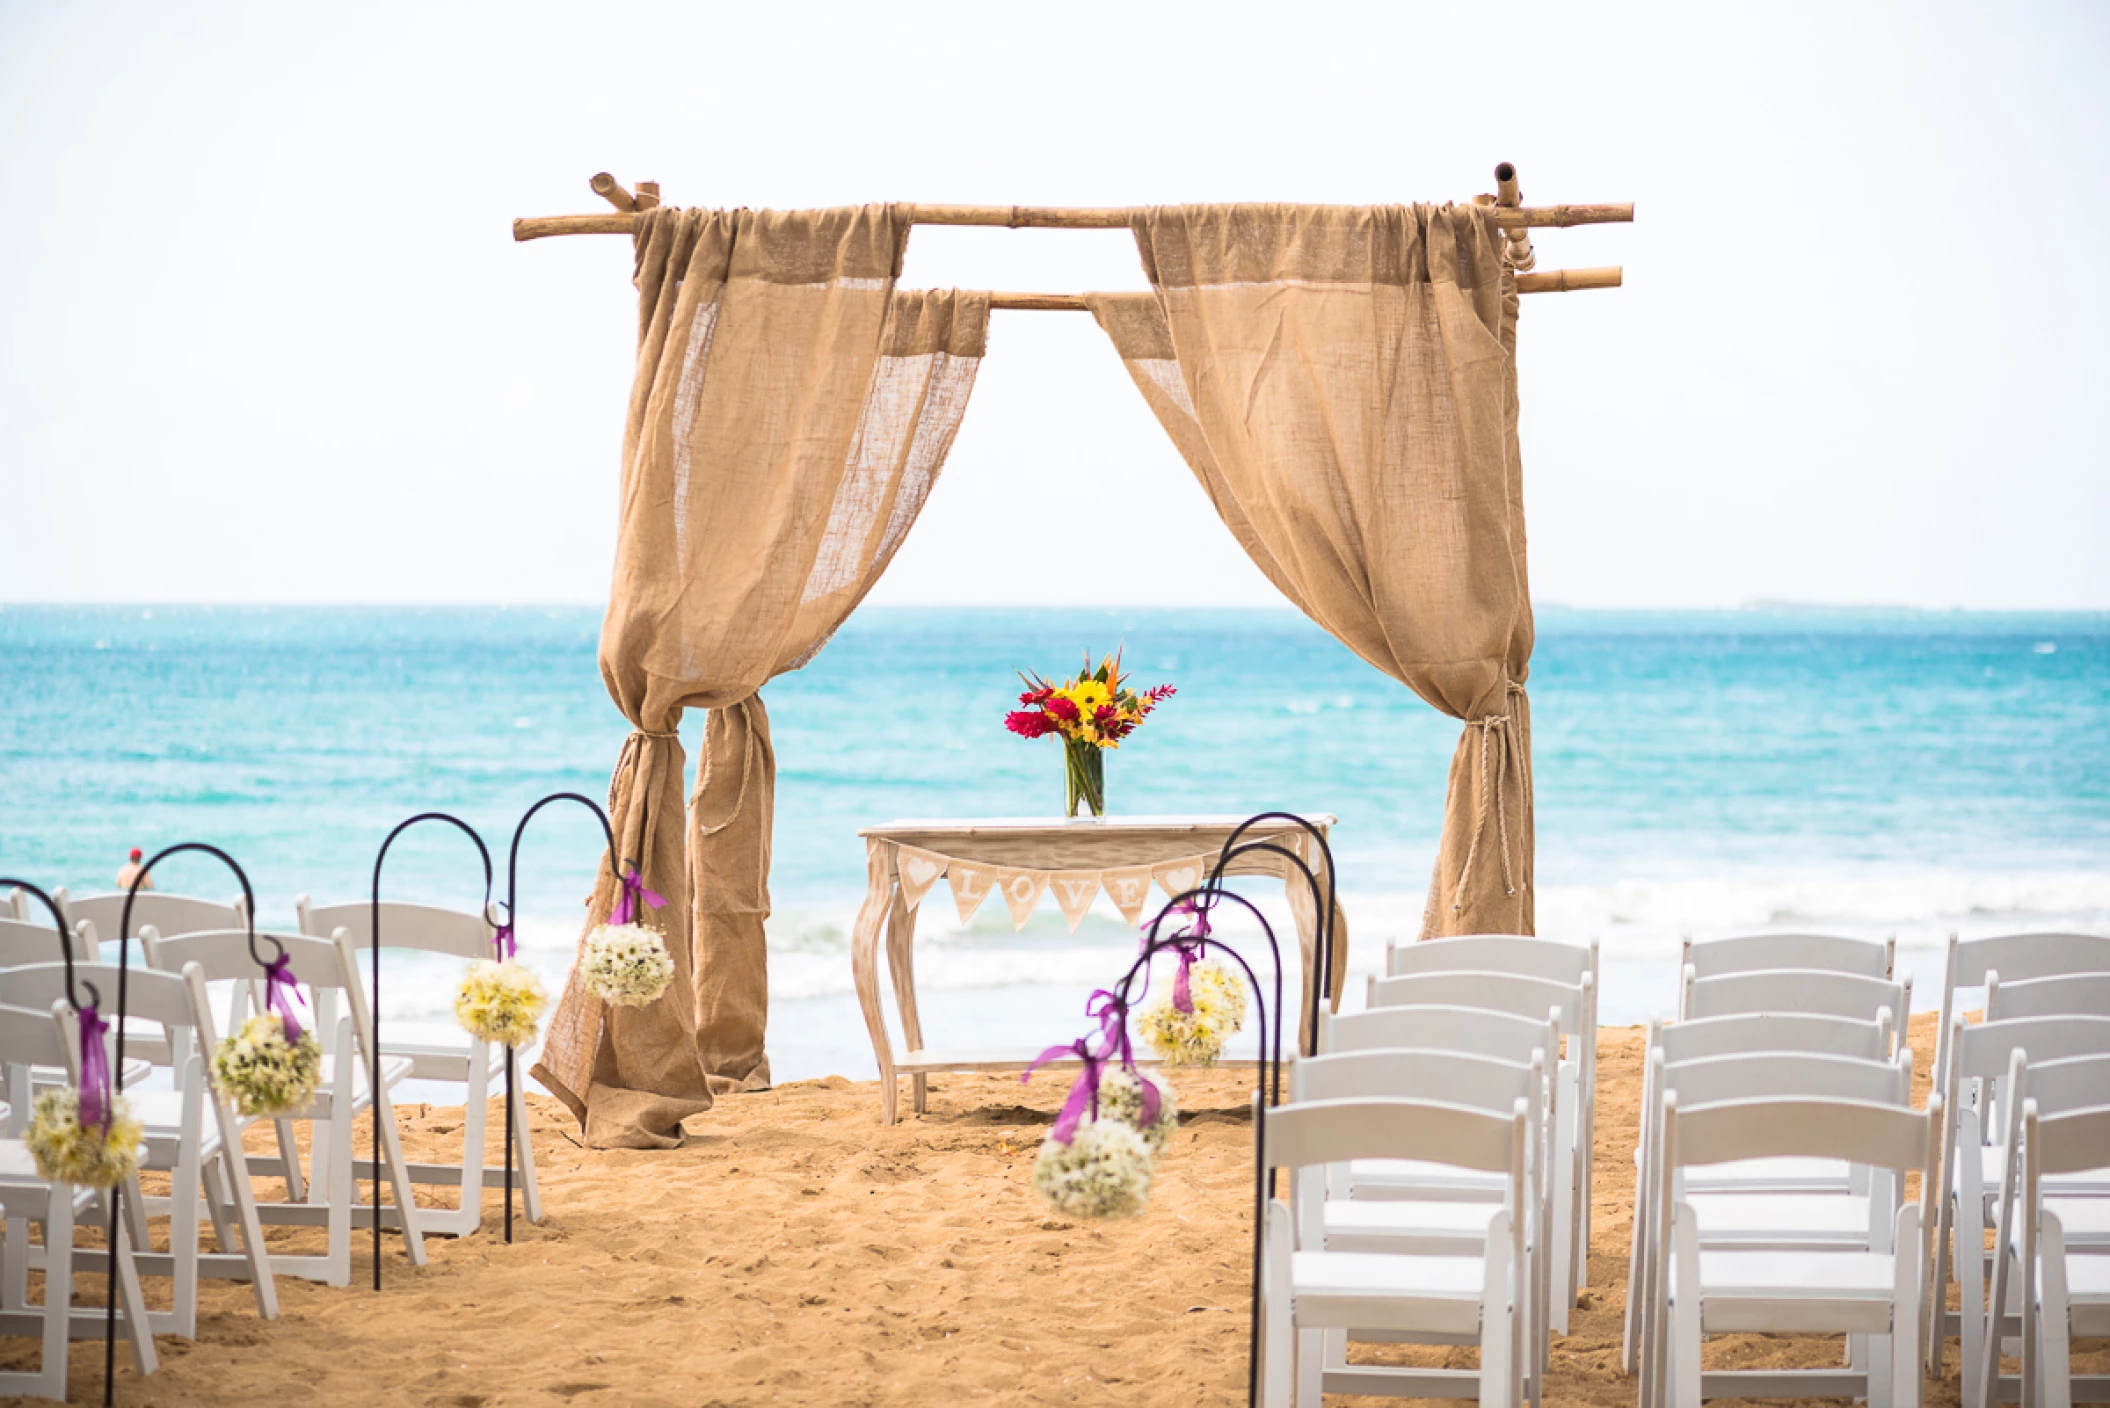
{"x":1105,"y":714}
{"x":1028,"y":724}
{"x":1037,"y":696}
{"x":1064,"y":709}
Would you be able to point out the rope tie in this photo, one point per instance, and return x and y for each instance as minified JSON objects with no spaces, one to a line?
{"x":1489,"y":782}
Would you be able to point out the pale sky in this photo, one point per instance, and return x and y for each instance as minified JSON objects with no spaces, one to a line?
{"x":267,"y":338}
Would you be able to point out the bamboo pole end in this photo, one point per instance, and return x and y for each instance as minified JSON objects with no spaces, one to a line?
{"x":609,"y":189}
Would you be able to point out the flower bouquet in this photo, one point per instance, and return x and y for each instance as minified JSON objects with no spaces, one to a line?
{"x":1091,"y":713}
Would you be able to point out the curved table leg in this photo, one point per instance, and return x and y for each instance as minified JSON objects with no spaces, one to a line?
{"x":901,"y":967}
{"x":864,"y":966}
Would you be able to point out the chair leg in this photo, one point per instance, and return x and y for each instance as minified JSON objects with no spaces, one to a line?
{"x":1971,"y":1297}
{"x":1311,"y":1368}
{"x":1684,"y":1338}
{"x":58,"y":1289}
{"x":2054,"y":1326}
{"x":524,"y":1148}
{"x":1902,"y":1357}
{"x":14,"y":1266}
{"x":384,"y":1113}
{"x":183,"y":1239}
{"x":1499,"y":1368}
{"x":337,"y":1186}
{"x":218,"y":1199}
{"x":1276,"y":1337}
{"x":289,"y":1152}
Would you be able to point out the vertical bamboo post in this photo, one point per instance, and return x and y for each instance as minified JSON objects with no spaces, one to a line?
{"x":1522,"y":257}
{"x":647,"y":194}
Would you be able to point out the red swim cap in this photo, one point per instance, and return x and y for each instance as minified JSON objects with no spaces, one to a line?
{"x":136,"y":853}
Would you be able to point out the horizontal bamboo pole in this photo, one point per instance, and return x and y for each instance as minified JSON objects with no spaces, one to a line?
{"x":1559,"y":281}
{"x":1060,"y":218}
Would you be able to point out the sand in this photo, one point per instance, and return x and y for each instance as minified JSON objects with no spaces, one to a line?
{"x":796,"y":1252}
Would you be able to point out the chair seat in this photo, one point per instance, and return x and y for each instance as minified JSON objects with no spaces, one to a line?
{"x":1384,"y":1291}
{"x":1795,"y":1292}
{"x":19,"y":1168}
{"x":430,"y":1061}
{"x":1992,"y":1166}
{"x":161,"y":1111}
{"x":1780,"y":1218}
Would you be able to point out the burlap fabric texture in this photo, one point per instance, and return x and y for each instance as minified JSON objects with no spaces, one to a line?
{"x":790,"y":413}
{"x":1342,"y":381}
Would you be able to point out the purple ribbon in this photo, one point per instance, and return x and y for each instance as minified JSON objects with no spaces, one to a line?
{"x":1113,"y":1032}
{"x":502,"y":939}
{"x":96,"y":1103}
{"x":631,"y":905}
{"x":1084,"y":1095}
{"x":281,"y":991}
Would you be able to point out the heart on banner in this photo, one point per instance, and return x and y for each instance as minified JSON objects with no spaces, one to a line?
{"x":1129,"y":888}
{"x":971,"y":884}
{"x":1022,"y":890}
{"x":919,"y":870}
{"x":1074,"y":891}
{"x":1179,"y":876}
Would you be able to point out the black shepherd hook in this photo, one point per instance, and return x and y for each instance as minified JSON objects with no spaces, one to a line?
{"x":58,"y":920}
{"x":1322,"y":986}
{"x":124,"y":957}
{"x":1270,"y":1060}
{"x":374,"y":950}
{"x":512,"y":913}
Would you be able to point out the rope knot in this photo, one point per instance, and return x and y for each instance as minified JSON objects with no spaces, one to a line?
{"x":1490,"y":781}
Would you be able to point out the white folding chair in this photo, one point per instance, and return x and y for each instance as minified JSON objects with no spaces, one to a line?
{"x":452,"y":934}
{"x":2069,"y":995}
{"x":1754,"y":953}
{"x":2061,"y":1279}
{"x":1815,"y":990}
{"x":1744,"y":1037}
{"x":1533,"y":957}
{"x":189,"y":1133}
{"x":1499,"y":1036}
{"x":27,"y":1039}
{"x":1444,"y":1227}
{"x":1968,"y":1181}
{"x":327,"y":969}
{"x":1525,"y":996}
{"x":1308,"y":1289}
{"x":167,"y":914}
{"x":1870,"y":1290}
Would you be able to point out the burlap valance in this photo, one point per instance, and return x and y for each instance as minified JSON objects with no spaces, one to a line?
{"x":790,"y":413}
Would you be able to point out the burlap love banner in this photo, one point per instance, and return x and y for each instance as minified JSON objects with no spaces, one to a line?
{"x":918,"y":872}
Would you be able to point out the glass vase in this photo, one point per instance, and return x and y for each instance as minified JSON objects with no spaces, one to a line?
{"x":1083,"y":777}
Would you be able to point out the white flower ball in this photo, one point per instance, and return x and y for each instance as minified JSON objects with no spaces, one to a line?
{"x":1196,"y":1038}
{"x":500,"y":1002}
{"x":1104,"y":1171}
{"x":626,"y":964}
{"x":1121,"y":1101}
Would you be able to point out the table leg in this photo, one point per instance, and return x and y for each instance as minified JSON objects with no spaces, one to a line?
{"x":901,"y":966}
{"x":864,"y":966}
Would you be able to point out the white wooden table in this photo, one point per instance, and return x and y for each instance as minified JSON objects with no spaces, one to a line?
{"x":1095,"y":843}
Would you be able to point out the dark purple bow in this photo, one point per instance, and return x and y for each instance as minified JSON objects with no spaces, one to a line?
{"x":96,"y":1103}
{"x":630,"y":906}
{"x":281,"y":991}
{"x":502,"y":939}
{"x":1182,"y":981}
{"x":1084,"y":1095}
{"x":1113,"y":1034}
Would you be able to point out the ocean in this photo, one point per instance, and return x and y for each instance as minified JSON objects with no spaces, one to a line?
{"x":1875,"y":772}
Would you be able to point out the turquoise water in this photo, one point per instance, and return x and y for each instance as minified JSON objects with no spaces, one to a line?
{"x":1889,"y":772}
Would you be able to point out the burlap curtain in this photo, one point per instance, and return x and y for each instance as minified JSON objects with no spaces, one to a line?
{"x":790,"y":414}
{"x":1342,"y":381}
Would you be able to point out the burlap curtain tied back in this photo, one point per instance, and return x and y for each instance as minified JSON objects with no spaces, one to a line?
{"x":1342,"y":381}
{"x":790,"y":413}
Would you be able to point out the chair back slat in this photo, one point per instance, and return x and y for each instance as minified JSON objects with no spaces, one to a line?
{"x":1448,"y":1077}
{"x":2075,"y":1142}
{"x":168,"y":914}
{"x":422,"y":927}
{"x":1513,"y":993}
{"x":30,"y":1036}
{"x":224,"y":954}
{"x":2068,"y":995}
{"x":2077,"y":1083}
{"x":1492,"y":953}
{"x":1789,"y":1075}
{"x":1813,"y":1033}
{"x":1982,"y":1050}
{"x":1471,"y":1030}
{"x":1856,"y":1131}
{"x":1829,"y":953}
{"x":150,"y":996}
{"x":2021,"y":956}
{"x":1796,"y":990}
{"x":1338,"y":1131}
{"x":27,"y":941}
